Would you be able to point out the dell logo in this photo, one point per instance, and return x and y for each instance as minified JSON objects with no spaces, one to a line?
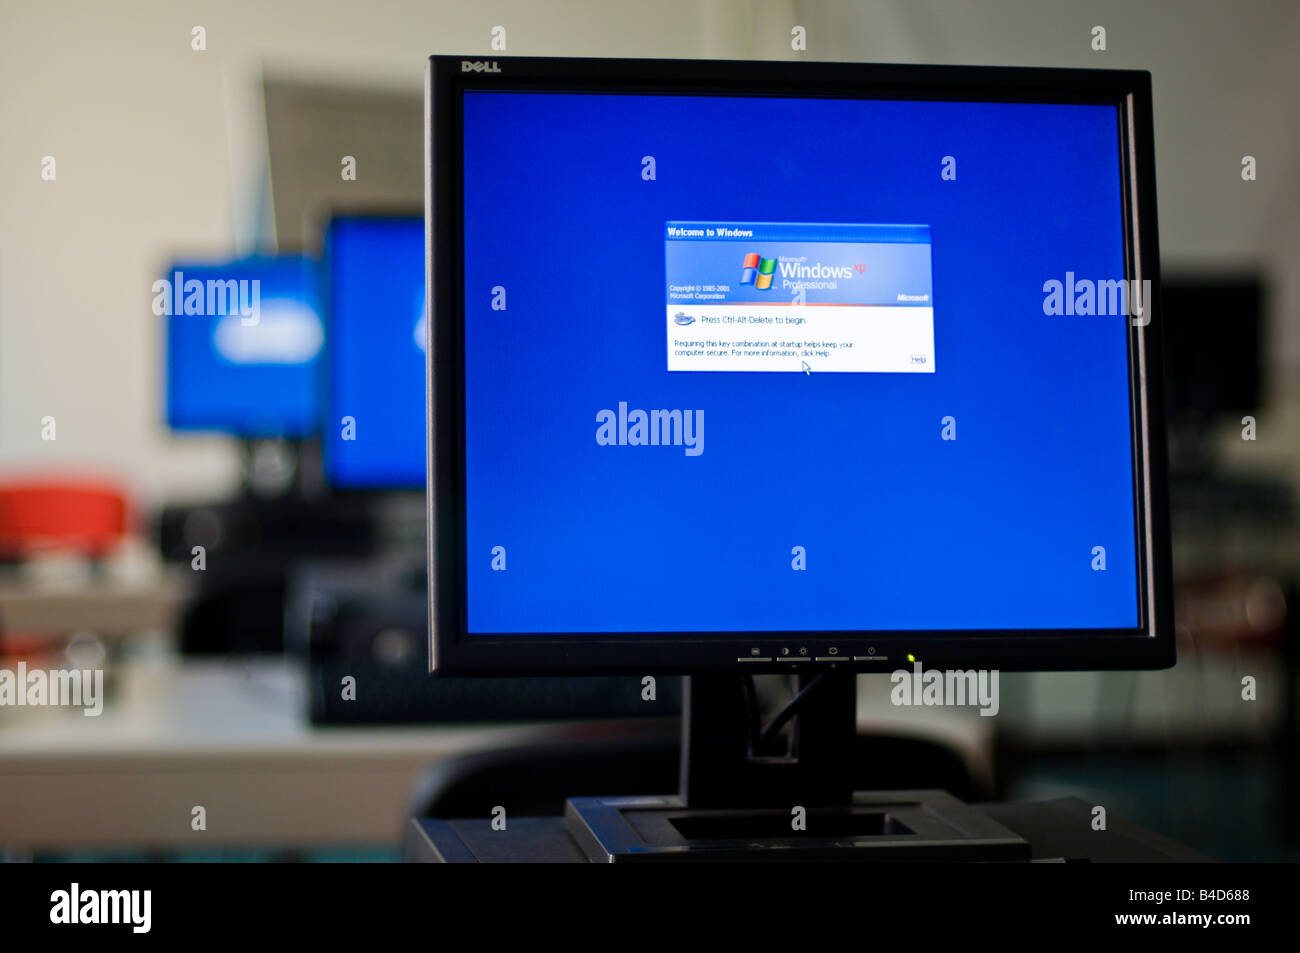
{"x":479,"y":66}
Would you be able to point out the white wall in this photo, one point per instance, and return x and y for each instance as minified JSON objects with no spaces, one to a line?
{"x":158,"y":149}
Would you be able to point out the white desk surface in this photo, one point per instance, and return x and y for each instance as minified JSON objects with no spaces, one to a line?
{"x":229,"y":736}
{"x":109,"y":607}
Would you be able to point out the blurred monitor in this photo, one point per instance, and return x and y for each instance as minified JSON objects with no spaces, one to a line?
{"x":243,"y":341}
{"x":375,"y":437}
{"x":1214,"y":346}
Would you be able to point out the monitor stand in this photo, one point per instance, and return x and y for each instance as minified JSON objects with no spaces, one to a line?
{"x":739,"y":803}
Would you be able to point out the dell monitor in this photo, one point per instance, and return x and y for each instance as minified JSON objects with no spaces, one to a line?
{"x":242,"y":342}
{"x":375,"y":353}
{"x":793,"y":367}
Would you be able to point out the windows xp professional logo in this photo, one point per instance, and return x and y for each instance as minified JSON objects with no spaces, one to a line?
{"x":757,"y":271}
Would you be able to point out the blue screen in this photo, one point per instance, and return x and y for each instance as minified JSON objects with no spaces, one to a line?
{"x":243,"y":341}
{"x":375,"y":435}
{"x":754,"y":364}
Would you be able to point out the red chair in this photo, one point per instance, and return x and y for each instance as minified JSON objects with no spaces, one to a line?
{"x":88,"y":517}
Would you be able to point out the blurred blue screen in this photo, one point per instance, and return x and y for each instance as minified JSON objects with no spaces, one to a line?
{"x":243,"y":343}
{"x":375,"y":435}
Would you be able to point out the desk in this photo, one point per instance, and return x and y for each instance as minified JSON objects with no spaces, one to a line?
{"x":108,"y":607}
{"x":1057,"y":830}
{"x":230,"y":736}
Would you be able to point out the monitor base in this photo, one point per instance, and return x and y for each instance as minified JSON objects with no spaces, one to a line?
{"x":876,"y":826}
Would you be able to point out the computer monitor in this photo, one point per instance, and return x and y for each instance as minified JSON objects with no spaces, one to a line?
{"x":242,"y":343}
{"x":375,"y":395}
{"x":795,"y":368}
{"x":777,"y":367}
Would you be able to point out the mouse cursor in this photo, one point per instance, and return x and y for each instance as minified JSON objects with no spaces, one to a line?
{"x":806,"y":368}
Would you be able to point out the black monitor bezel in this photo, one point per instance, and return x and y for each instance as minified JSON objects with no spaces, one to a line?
{"x":1148,"y":646}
